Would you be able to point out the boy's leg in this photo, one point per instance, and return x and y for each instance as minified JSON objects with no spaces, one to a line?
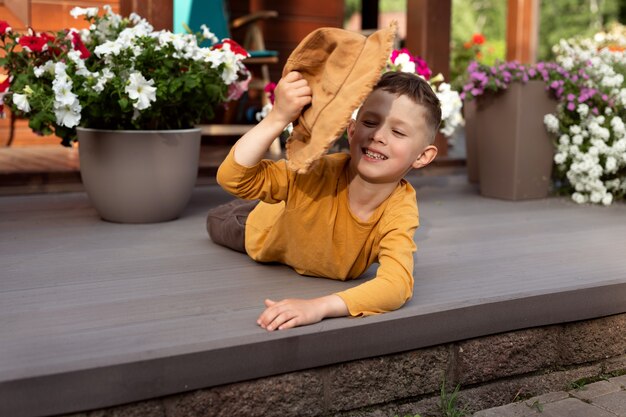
{"x":226,"y":224}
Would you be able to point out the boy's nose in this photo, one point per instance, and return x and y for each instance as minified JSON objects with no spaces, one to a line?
{"x":378,"y":136}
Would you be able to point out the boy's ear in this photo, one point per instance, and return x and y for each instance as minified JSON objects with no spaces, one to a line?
{"x":350,"y":129}
{"x":426,"y":157}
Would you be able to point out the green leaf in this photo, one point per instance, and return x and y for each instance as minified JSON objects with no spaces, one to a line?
{"x":123,"y":102}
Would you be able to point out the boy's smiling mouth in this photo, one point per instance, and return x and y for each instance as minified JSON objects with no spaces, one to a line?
{"x":373,"y":154}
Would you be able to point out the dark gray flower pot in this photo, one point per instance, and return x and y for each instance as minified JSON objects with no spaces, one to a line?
{"x":471,"y":141}
{"x":515,"y":152}
{"x":139,"y":176}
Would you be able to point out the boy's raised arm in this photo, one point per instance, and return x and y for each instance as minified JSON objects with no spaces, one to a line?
{"x":292,"y":94}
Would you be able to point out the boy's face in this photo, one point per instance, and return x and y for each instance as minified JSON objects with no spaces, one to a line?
{"x":388,"y":137}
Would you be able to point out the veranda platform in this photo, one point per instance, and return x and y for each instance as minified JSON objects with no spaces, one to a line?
{"x":94,"y":314}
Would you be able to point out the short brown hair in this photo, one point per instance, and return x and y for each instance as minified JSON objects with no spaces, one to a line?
{"x":418,"y":90}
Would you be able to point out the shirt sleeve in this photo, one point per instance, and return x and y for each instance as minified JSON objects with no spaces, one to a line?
{"x":267,"y":181}
{"x":393,"y":284}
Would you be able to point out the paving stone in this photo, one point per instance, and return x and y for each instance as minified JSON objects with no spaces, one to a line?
{"x":548,"y":398}
{"x":523,"y":408}
{"x":592,"y":340}
{"x":614,"y":402}
{"x":501,"y":392}
{"x":520,"y":409}
{"x":573,"y":407}
{"x":597,"y":389}
{"x":513,"y":353}
{"x":619,"y":380}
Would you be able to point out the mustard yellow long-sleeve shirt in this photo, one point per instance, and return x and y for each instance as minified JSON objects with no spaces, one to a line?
{"x":304,"y":221}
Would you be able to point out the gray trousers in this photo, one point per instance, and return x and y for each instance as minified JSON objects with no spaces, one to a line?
{"x":226,"y":224}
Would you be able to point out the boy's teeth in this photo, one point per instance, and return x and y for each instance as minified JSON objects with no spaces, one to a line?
{"x":374,"y":155}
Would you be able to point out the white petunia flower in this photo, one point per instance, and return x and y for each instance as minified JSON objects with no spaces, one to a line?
{"x":140,"y":90}
{"x":42,"y":69}
{"x":63,"y":94}
{"x":108,"y":48}
{"x":207,"y":34}
{"x":68,"y":115}
{"x":21,"y":102}
{"x":405,"y":63}
{"x":80,"y":11}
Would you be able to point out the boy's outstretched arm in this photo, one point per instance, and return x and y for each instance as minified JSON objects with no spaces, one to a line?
{"x":292,"y":94}
{"x":293,"y":312}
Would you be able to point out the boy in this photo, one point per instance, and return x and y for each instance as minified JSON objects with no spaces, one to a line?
{"x":346,"y":213}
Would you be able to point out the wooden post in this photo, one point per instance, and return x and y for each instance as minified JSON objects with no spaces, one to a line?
{"x":522,"y":31}
{"x":428,"y":32}
{"x":428,"y":35}
{"x":369,"y":14}
{"x":158,"y":12}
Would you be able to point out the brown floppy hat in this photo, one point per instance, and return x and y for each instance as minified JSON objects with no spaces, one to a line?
{"x":341,"y":68}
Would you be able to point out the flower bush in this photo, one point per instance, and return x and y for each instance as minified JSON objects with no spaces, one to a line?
{"x":402,"y":60}
{"x":118,"y":74}
{"x":589,"y":122}
{"x":482,"y":78}
{"x":587,"y":79}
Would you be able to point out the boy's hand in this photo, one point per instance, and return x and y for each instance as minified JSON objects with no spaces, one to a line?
{"x":292,"y":94}
{"x":290,"y":313}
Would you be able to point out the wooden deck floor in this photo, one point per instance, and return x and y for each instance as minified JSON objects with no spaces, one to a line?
{"x":94,"y":313}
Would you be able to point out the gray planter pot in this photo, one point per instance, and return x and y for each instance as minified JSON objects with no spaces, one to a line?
{"x":515,"y":152}
{"x":139,"y":176}
{"x":471,"y":140}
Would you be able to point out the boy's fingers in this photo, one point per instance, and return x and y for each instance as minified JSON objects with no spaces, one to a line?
{"x":300,"y":83}
{"x":293,"y":76}
{"x":269,"y":314}
{"x":289,"y":324}
{"x":280,"y":320}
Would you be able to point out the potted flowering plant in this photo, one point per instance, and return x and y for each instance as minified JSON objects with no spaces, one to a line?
{"x":508,"y":149}
{"x":122,"y":76}
{"x":589,"y":122}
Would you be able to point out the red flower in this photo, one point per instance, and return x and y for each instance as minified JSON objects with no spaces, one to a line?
{"x":34,"y":43}
{"x":421,"y":68}
{"x":478,"y":39}
{"x":4,"y":25}
{"x":47,"y":37}
{"x":78,"y":44}
{"x":4,"y":85}
{"x":234,"y":47}
{"x":269,"y":89}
